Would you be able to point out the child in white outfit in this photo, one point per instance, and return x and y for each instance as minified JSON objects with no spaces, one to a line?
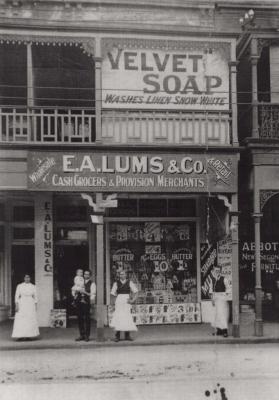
{"x":78,"y":287}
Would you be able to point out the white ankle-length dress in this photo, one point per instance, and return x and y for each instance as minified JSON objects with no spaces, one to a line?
{"x":25,"y":322}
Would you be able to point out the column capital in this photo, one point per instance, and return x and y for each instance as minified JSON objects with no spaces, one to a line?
{"x":98,"y":60}
{"x":233,"y":64}
{"x":254,"y":58}
{"x":257,"y":216}
{"x":234,"y":213}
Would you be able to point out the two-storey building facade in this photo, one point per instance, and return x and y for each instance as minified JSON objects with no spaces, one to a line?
{"x":119,"y":150}
{"x":258,"y":68}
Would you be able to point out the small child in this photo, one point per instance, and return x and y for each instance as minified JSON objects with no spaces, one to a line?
{"x":78,"y":287}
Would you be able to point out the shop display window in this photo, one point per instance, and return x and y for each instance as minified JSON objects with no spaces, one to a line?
{"x":159,"y":257}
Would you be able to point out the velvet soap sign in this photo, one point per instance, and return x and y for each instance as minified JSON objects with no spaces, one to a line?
{"x":165,"y":79}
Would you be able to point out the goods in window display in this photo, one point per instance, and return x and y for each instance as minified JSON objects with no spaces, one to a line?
{"x":160,"y":258}
{"x":163,"y":313}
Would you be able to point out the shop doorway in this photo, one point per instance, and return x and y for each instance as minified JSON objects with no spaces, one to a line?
{"x":67,"y":259}
{"x":22,"y":263}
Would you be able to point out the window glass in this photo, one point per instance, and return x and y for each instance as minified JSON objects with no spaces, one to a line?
{"x":23,"y":233}
{"x":125,"y":207}
{"x":23,"y":213}
{"x":13,"y":74}
{"x":181,"y":207}
{"x":2,"y":238}
{"x":2,"y":212}
{"x":63,"y":76}
{"x":71,"y":213}
{"x":71,"y":233}
{"x":153,"y":207}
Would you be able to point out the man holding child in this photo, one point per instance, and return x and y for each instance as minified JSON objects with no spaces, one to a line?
{"x":84,"y":293}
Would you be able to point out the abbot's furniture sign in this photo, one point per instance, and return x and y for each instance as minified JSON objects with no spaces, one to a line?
{"x":183,"y":76}
{"x":149,"y":172}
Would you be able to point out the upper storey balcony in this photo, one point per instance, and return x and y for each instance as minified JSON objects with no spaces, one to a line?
{"x":74,"y":125}
{"x":155,"y":93}
{"x":268,"y":120}
{"x":258,"y":90}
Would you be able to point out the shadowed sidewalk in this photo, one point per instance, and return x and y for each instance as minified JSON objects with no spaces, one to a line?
{"x":146,"y":335}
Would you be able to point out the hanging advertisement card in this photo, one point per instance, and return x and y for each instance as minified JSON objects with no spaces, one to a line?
{"x":208,"y":261}
{"x":224,"y":259}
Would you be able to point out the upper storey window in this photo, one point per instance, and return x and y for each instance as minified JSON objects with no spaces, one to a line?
{"x":13,"y":75}
{"x":63,"y":76}
{"x":52,"y":76}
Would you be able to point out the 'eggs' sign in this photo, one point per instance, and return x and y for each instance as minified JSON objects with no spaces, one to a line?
{"x":169,"y":79}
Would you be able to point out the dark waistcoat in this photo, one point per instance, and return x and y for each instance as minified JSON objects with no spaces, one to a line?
{"x":219,"y":285}
{"x":87,"y":287}
{"x":123,"y":288}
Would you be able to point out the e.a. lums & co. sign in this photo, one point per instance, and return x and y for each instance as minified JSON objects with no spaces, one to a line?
{"x":71,"y":171}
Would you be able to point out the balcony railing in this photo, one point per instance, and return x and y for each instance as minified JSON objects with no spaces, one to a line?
{"x":67,"y":126}
{"x":269,"y":121}
{"x":47,"y":126}
{"x":209,"y":128}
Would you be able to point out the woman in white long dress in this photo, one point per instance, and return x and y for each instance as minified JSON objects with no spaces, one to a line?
{"x":25,"y":322}
{"x":125,"y":292}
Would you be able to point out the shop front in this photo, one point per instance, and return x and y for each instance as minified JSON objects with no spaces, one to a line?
{"x":166,"y":218}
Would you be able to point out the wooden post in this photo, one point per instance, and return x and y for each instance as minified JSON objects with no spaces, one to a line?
{"x":30,"y":91}
{"x":98,"y":90}
{"x":100,"y":276}
{"x":233,"y":72}
{"x":258,"y":287}
{"x":254,"y":56}
{"x":30,"y":78}
{"x":235,"y":266}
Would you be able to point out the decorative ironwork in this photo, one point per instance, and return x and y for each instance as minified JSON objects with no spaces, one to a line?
{"x":163,"y":44}
{"x":269,"y":121}
{"x":86,"y":44}
{"x":266,"y":195}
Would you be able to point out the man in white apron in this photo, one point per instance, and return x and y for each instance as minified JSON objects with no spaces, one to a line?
{"x":220,"y":303}
{"x":125,"y":292}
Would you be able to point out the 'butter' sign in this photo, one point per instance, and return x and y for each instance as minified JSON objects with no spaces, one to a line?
{"x":168,"y":79}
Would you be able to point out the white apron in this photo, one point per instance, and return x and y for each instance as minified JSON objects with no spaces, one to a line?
{"x":122,"y":319}
{"x":25,"y":322}
{"x":221,"y":311}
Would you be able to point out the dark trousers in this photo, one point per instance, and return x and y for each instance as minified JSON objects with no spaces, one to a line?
{"x":84,"y":322}
{"x":126,"y":333}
